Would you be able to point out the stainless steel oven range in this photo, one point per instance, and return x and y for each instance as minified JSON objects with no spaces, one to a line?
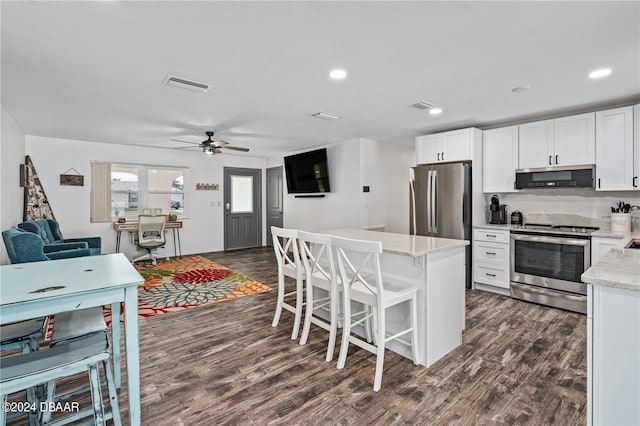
{"x":547,"y":262}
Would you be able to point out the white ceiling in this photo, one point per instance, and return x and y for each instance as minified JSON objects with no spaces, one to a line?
{"x":94,"y":71}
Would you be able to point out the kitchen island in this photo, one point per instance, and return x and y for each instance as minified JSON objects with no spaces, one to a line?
{"x":437,"y":267}
{"x":613,"y":336}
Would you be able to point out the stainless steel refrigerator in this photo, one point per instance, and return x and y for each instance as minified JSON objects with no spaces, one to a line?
{"x":440,"y":203}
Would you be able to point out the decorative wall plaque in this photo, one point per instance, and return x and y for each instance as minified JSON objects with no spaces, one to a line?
{"x":72,"y":180}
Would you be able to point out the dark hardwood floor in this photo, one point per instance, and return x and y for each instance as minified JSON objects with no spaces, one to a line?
{"x":223,"y":364}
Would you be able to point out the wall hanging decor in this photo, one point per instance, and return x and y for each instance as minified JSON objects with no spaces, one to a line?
{"x":36,"y":205}
{"x":72,"y":180}
{"x":207,"y":186}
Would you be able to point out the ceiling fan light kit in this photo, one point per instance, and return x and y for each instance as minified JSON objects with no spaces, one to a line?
{"x":211,"y":147}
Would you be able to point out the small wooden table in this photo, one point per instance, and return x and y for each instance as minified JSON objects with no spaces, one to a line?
{"x":32,"y":290}
{"x":132,"y":227}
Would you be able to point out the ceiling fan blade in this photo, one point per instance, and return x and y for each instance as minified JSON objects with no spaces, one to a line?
{"x":235,"y":148}
{"x":185,"y":147}
{"x":180,"y":140}
{"x":221,"y":142}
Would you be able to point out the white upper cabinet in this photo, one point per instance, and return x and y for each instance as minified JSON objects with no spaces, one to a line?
{"x":535,"y":145}
{"x":428,"y":149}
{"x":635,"y":181}
{"x":615,"y":150}
{"x":574,"y":140}
{"x":499,"y":159}
{"x":565,"y":141}
{"x":444,"y":147}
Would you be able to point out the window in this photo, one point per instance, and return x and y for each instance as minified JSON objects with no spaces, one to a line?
{"x":135,"y":186}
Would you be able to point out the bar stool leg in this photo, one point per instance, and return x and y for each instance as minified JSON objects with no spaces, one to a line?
{"x":96,"y":395}
{"x":113,"y":396}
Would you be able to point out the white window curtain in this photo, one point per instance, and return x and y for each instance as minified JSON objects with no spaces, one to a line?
{"x":100,"y":192}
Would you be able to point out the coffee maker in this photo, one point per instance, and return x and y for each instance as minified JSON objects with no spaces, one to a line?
{"x":497,"y":211}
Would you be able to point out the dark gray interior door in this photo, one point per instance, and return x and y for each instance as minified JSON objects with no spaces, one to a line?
{"x":274,"y":200}
{"x":242,"y":208}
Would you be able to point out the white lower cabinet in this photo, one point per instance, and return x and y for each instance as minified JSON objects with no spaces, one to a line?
{"x":600,"y":246}
{"x":613,"y":356}
{"x":491,"y":260}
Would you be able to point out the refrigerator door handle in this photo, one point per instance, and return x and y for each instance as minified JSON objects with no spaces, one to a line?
{"x":429,"y":179}
{"x":412,"y":191}
{"x":434,"y":200}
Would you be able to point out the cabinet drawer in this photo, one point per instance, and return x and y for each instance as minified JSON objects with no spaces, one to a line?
{"x":497,"y":236}
{"x":491,"y":275}
{"x":490,"y":252}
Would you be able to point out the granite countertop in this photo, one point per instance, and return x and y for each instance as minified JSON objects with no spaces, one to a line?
{"x":608,"y":233}
{"x":619,"y":268}
{"x":504,"y":227}
{"x":403,"y":244}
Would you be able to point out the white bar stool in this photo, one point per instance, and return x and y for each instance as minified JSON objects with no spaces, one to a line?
{"x":317,"y":257}
{"x":359,"y":265}
{"x":285,"y":246}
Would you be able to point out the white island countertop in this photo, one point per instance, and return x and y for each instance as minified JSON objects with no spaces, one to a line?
{"x":619,"y":268}
{"x":402,"y":244}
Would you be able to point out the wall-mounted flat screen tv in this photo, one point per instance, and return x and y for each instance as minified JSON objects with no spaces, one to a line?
{"x":307,"y":172}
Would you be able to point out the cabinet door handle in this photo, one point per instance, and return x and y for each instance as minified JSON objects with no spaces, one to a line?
{"x":635,"y":185}
{"x":438,"y":156}
{"x":443,"y":156}
{"x":491,"y":235}
{"x":550,"y":163}
{"x":598,"y":182}
{"x":490,"y":253}
{"x":556,"y":159}
{"x":490,"y":275}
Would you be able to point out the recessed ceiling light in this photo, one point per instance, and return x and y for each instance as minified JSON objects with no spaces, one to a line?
{"x":435,"y":111}
{"x":338,"y":74}
{"x":603,"y":72}
{"x":326,"y":116}
{"x":520,"y":89}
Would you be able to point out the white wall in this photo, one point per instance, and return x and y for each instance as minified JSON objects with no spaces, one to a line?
{"x":12,"y":153}
{"x":353,"y":164}
{"x":204,"y":229}
{"x":385,"y":169}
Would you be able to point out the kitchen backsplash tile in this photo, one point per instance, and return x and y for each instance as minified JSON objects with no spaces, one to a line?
{"x":584,"y":206}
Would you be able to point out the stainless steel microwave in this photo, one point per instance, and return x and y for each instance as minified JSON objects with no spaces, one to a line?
{"x":583,"y":176}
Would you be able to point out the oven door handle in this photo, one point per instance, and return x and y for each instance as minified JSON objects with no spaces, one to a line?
{"x":552,"y":240}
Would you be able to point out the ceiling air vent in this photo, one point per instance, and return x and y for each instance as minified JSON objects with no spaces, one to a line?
{"x":172,"y":80}
{"x":326,"y":116}
{"x":423,"y":105}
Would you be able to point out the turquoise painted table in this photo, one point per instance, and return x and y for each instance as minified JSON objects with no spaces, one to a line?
{"x":31,"y":290}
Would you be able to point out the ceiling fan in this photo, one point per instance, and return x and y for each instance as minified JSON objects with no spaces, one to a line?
{"x":211,"y":147}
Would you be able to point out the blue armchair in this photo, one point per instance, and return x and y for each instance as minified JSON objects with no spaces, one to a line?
{"x":49,"y":231}
{"x":23,"y":247}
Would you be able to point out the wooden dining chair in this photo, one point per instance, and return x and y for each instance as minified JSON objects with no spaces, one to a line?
{"x":285,"y":245}
{"x":72,"y":326}
{"x":362,"y":282}
{"x":29,"y":370}
{"x":22,"y":335}
{"x":322,"y":286}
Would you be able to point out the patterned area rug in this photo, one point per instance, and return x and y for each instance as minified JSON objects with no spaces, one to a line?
{"x":186,"y":283}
